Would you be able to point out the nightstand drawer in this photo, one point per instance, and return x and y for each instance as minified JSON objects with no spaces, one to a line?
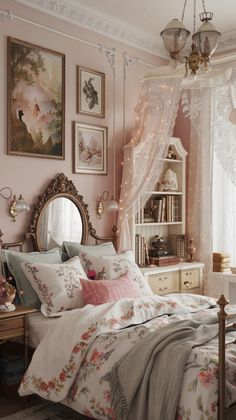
{"x":164,"y":282}
{"x":189,"y":279}
{"x":11,"y":324}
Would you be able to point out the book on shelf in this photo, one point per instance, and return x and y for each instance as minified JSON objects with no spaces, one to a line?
{"x":140,"y":255}
{"x":165,"y":260}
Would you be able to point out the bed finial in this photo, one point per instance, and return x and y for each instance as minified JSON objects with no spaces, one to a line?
{"x":222,"y":302}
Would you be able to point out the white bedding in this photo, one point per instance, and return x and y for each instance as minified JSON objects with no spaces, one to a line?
{"x":38,"y":326}
{"x":70,"y":362}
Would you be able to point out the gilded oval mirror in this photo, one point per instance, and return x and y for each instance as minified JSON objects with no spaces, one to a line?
{"x":60,"y":220}
{"x":61,"y":215}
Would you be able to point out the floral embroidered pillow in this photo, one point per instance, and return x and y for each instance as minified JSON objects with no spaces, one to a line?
{"x":58,"y":286}
{"x":103,"y":291}
{"x":112,"y":267}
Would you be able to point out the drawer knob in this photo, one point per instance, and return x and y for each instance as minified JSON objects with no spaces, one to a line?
{"x":187,"y":284}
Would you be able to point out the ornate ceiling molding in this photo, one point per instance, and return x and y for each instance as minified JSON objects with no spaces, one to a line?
{"x":101,"y":24}
{"x":84,"y":18}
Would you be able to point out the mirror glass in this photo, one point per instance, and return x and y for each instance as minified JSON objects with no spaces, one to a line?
{"x":60,"y":220}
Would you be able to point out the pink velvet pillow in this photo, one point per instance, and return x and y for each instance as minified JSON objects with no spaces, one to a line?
{"x":97,"y":292}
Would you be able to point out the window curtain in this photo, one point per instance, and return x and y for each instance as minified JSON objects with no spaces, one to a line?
{"x":209,"y":139}
{"x":224,"y":169}
{"x":156,"y":112}
{"x":199,"y":208}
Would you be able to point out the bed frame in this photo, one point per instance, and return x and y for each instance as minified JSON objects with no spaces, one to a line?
{"x":61,"y":186}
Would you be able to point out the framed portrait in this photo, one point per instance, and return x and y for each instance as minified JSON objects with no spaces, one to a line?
{"x":36,"y":100}
{"x":90,"y":149}
{"x":90,"y":92}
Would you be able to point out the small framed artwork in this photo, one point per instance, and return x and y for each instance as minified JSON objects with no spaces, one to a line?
{"x":90,"y":92}
{"x":36,"y":100}
{"x":90,"y":149}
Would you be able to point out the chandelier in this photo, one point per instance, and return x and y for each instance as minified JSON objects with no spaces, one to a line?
{"x":204,"y":41}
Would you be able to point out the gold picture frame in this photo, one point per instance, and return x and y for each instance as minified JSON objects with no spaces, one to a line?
{"x":90,"y":149}
{"x":36,"y":100}
{"x":90,"y":92}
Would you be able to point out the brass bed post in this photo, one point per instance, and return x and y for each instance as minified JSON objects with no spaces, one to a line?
{"x":222,"y":315}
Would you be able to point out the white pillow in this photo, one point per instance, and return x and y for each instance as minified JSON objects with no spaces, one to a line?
{"x":57,"y":285}
{"x":112,"y":267}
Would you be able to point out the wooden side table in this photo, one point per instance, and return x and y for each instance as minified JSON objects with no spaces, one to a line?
{"x":14,"y":324}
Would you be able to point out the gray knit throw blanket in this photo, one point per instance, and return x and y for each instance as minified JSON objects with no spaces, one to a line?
{"x":146,"y":382}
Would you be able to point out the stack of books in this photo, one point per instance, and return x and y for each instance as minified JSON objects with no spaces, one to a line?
{"x":167,"y":209}
{"x":221,"y":262}
{"x":165,"y":260}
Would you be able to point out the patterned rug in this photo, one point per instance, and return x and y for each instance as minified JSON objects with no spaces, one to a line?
{"x":46,"y":411}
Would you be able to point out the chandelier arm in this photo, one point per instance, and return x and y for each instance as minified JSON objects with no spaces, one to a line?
{"x":182,"y":17}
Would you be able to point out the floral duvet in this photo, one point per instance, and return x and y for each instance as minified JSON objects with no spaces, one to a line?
{"x":71,"y":362}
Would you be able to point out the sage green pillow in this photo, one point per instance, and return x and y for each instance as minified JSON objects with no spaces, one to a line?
{"x":102,"y":250}
{"x":14,"y":259}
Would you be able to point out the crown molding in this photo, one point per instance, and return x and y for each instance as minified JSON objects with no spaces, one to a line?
{"x":100,"y":24}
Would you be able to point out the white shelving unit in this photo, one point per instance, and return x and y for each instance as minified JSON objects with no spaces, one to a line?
{"x":166,"y":228}
{"x":184,"y":276}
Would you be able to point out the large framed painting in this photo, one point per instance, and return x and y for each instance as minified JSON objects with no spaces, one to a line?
{"x":36,"y":100}
{"x":90,"y":92}
{"x":90,"y":149}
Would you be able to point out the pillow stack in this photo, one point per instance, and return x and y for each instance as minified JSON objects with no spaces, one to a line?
{"x":26,"y":293}
{"x":221,"y":262}
{"x":112,"y":267}
{"x":58,"y":286}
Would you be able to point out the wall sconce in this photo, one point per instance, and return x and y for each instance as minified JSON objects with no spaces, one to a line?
{"x":112,"y":205}
{"x":18,"y":206}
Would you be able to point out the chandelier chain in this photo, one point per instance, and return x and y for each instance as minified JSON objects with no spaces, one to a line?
{"x":194,"y":16}
{"x":182,"y":18}
{"x":203,"y":5}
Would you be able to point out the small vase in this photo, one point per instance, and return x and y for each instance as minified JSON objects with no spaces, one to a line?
{"x":191,"y":250}
{"x":6,"y":303}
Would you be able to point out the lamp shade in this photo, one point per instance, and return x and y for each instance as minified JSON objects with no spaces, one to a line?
{"x":206,"y":39}
{"x":113,"y":205}
{"x":174,"y":37}
{"x":21,"y":206}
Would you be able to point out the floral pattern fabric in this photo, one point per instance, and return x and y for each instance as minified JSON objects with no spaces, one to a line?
{"x":112,"y":267}
{"x":58,"y":286}
{"x":89,"y":341}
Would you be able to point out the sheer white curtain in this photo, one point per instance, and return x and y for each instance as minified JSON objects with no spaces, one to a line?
{"x":199,"y":212}
{"x":156,"y":112}
{"x":212,"y":164}
{"x":224,"y":211}
{"x":224,"y":169}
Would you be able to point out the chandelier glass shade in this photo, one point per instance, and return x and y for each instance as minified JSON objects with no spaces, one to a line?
{"x":204,"y":41}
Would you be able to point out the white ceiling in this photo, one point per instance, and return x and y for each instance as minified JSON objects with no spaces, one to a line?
{"x":152,"y":15}
{"x":139,"y":22}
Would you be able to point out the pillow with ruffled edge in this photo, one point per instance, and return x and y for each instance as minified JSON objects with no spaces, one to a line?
{"x":58,"y":286}
{"x":103,"y":291}
{"x":112,"y":267}
{"x":73,"y":249}
{"x":26,"y":293}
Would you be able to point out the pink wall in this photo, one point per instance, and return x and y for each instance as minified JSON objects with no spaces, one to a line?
{"x":30,"y":175}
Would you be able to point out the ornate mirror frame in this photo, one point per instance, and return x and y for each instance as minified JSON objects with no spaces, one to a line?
{"x":61,"y":186}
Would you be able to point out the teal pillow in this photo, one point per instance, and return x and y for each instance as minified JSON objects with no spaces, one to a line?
{"x":26,"y":293}
{"x":2,"y":261}
{"x":73,"y":249}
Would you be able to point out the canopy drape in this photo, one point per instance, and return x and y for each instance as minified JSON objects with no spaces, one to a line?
{"x":156,"y":113}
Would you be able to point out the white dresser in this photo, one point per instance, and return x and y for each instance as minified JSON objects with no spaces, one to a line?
{"x":183,"y":277}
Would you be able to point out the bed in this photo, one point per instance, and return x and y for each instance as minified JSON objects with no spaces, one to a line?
{"x":92,"y":357}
